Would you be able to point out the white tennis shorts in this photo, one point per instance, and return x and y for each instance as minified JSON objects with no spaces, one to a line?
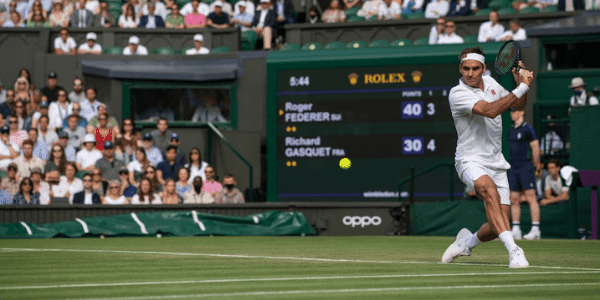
{"x":469,"y":172}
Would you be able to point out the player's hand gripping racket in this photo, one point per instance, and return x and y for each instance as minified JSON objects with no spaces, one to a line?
{"x":507,"y":58}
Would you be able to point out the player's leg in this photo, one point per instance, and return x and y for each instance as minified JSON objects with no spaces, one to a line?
{"x":515,"y":208}
{"x":487,"y":189}
{"x":267,"y":35}
{"x":534,"y":206}
{"x":486,"y":232}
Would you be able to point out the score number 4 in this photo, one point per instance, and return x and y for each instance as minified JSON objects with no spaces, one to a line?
{"x":414,"y":109}
{"x":299,"y":81}
{"x":414,"y":145}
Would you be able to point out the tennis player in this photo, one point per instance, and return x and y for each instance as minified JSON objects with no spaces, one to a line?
{"x":477,"y":103}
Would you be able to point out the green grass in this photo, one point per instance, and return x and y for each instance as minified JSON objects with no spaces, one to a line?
{"x":401,"y":268}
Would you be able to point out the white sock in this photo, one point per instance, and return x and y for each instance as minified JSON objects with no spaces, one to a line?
{"x":516,"y":226}
{"x":473,"y":241}
{"x":507,"y":239}
{"x":535,"y":226}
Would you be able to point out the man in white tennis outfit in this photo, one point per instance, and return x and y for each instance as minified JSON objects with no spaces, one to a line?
{"x":477,"y":103}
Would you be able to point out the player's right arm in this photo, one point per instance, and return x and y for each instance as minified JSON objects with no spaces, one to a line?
{"x":494,"y":109}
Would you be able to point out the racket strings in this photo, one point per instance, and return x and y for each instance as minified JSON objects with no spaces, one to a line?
{"x":507,"y":58}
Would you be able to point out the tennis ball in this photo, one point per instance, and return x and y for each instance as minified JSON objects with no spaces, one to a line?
{"x":345,"y":163}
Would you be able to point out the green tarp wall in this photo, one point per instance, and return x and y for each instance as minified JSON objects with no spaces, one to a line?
{"x":177,"y":223}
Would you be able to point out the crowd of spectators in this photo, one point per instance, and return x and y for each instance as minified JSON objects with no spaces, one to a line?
{"x":65,"y":148}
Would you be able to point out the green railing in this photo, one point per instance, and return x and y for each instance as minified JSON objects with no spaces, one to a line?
{"x":411,"y":180}
{"x":220,"y":135}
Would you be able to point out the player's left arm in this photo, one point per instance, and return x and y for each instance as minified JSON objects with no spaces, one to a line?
{"x":521,"y":102}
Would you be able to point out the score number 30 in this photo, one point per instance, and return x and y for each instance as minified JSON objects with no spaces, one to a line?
{"x":414,"y":145}
{"x":414,"y":109}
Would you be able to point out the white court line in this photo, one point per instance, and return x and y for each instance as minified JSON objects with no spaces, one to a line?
{"x":395,"y":289}
{"x":280,"y":258}
{"x":25,"y":287}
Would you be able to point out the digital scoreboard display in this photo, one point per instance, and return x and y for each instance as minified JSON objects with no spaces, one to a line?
{"x":384,"y":119}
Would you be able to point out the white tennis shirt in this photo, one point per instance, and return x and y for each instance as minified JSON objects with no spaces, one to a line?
{"x":479,"y":137}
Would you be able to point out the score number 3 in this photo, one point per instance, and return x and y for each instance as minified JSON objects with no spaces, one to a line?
{"x":299,"y":81}
{"x":414,"y":109}
{"x":414,"y":145}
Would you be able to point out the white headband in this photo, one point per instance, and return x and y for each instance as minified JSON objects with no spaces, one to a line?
{"x":474,"y":56}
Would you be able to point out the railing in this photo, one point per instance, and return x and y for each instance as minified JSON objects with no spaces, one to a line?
{"x":220,"y":135}
{"x":413,"y":176}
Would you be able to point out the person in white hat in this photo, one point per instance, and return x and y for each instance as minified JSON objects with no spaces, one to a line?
{"x":243,"y":17}
{"x":198,"y":46}
{"x":134,"y":47}
{"x":581,"y":98}
{"x":264,"y":21}
{"x":88,"y":155}
{"x":225,"y":6}
{"x":90,"y":46}
{"x":249,"y":5}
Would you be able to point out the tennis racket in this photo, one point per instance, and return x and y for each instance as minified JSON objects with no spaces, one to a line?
{"x":507,"y":58}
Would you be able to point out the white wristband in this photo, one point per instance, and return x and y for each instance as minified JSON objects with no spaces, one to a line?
{"x":520,"y":90}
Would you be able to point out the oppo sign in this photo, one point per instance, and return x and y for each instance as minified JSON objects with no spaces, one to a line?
{"x":361,"y":221}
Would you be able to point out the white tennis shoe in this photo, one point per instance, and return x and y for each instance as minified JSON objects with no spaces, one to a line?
{"x":516,"y":258}
{"x":516,"y":233}
{"x":533,"y":235}
{"x":459,"y":247}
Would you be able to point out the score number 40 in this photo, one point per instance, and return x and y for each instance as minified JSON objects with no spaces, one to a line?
{"x":414,"y":145}
{"x":414,"y":109}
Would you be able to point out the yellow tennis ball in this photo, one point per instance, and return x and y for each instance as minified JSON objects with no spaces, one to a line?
{"x":345,"y":163}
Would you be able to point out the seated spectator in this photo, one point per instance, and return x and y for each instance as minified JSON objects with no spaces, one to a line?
{"x":20,"y":112}
{"x":195,"y":19}
{"x":225,"y":6}
{"x":145,"y":194}
{"x":70,"y":152}
{"x":69,"y":182}
{"x":313,"y":15}
{"x":103,"y":132}
{"x":540,"y":4}
{"x":57,"y":161}
{"x":90,"y":46}
{"x":412,"y":5}
{"x":57,"y":195}
{"x":551,"y":143}
{"x":114,"y":195}
{"x":134,"y":47}
{"x":450,"y":37}
{"x":242,"y":18}
{"x":248,"y":7}
{"x":352,"y":3}
{"x":516,"y":32}
{"x":35,"y":7}
{"x":59,"y":110}
{"x":17,"y":135}
{"x":75,"y":110}
{"x":183,"y":181}
{"x":161,"y":135}
{"x":218,"y":18}
{"x":82,"y":17}
{"x":211,"y":185}
{"x":437,"y":31}
{"x":51,"y":89}
{"x":129,"y":137}
{"x":137,"y":7}
{"x":556,"y":191}
{"x":40,"y":149}
{"x":285,"y":12}
{"x":26,"y":161}
{"x":197,"y":195}
{"x":39,"y":186}
{"x":76,"y":133}
{"x":34,"y":105}
{"x":230,"y":194}
{"x":38,"y":21}
{"x":93,"y":6}
{"x":209,"y":113}
{"x":10,"y":183}
{"x":105,"y":19}
{"x":120,"y":154}
{"x":153,"y":153}
{"x":90,"y":107}
{"x":389,"y":10}
{"x":99,"y":185}
{"x":26,"y":195}
{"x":42,"y":110}
{"x":168,"y":168}
{"x":87,"y":196}
{"x":198,"y":46}
{"x":263,"y":23}
{"x":108,"y":164}
{"x":581,"y":97}
{"x":151,"y":20}
{"x":334,"y":13}
{"x":5,"y":197}
{"x":88,"y":156}
{"x":8,"y":151}
{"x":47,"y":136}
{"x":196,"y":165}
{"x":6,"y":107}
{"x":203,"y":8}
{"x":150,"y":173}
{"x":491,"y":30}
{"x":175,"y":20}
{"x":169,"y":195}
{"x":175,"y":142}
{"x":128,"y":19}
{"x":15,"y":20}
{"x":160,"y":9}
{"x":127,"y":188}
{"x":21,"y":90}
{"x":436,"y":9}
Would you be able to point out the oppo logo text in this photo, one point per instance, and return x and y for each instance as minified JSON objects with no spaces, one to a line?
{"x":361,"y":221}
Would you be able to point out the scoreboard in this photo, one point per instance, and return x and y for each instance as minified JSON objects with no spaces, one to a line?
{"x":384,"y":118}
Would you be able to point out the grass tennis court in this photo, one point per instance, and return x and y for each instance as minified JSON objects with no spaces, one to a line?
{"x":292,"y":268}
